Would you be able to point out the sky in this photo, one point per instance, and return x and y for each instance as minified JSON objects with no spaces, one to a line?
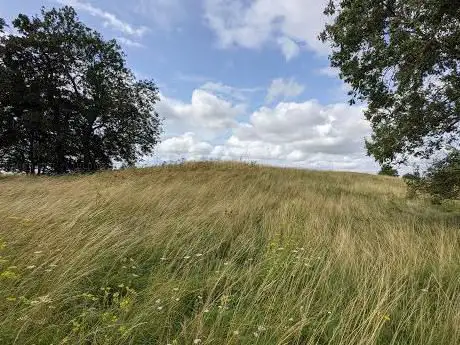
{"x":239,"y":79}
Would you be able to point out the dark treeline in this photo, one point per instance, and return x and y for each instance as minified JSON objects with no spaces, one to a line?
{"x":67,"y":100}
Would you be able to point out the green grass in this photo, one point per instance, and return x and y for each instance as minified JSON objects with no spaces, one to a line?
{"x":225,"y":253}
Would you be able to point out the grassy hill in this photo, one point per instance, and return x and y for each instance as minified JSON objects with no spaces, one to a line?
{"x":225,"y":253}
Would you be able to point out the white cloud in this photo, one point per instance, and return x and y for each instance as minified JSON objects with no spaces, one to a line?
{"x":110,"y":20}
{"x":302,"y":134}
{"x":258,"y":22}
{"x":129,"y":43}
{"x":184,"y":146}
{"x":289,"y":48}
{"x":306,"y":134}
{"x":284,"y":89}
{"x":206,"y":114}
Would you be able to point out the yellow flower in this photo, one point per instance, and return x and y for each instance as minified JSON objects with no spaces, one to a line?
{"x":386,"y":317}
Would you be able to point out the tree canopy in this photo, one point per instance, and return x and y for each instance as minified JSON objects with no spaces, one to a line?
{"x":67,"y":100}
{"x":401,"y":57}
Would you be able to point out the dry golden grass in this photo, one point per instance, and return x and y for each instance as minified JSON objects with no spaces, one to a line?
{"x":225,"y":253}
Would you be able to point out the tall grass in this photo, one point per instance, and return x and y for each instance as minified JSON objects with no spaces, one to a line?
{"x":225,"y":253}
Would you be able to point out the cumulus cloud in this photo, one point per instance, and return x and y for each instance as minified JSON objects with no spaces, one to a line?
{"x":109,"y":19}
{"x":284,"y":89}
{"x":206,"y":114}
{"x":184,"y":146}
{"x":306,"y":134}
{"x":258,"y":22}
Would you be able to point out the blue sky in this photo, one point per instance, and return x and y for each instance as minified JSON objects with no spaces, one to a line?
{"x":239,"y":79}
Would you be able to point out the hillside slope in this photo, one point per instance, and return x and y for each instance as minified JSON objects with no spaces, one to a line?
{"x":223,"y":253}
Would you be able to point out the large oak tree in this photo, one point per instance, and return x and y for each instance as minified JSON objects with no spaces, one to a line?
{"x":401,"y":57}
{"x":67,"y":100}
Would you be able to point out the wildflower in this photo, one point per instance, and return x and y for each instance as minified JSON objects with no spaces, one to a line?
{"x":160,"y":308}
{"x":158,"y":301}
{"x":425,"y":290}
{"x":206,"y":311}
{"x":386,"y":317}
{"x":198,"y":255}
{"x":200,"y":297}
{"x":291,"y":320}
{"x":261,"y":328}
{"x":163,"y":258}
{"x":256,"y":334}
{"x":295,"y":251}
{"x":187,"y":257}
{"x":280,"y":248}
{"x":177,"y":299}
{"x":226,"y":263}
{"x":302,"y":249}
{"x":197,"y":341}
{"x":135,"y":275}
{"x":176,"y":289}
{"x":236,"y":332}
{"x":31,"y":267}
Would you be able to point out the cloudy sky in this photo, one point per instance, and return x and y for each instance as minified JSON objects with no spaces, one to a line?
{"x":239,"y":79}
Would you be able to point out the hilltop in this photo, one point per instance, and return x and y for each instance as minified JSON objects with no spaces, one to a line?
{"x":225,"y":253}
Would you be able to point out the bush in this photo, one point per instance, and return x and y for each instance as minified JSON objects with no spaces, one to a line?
{"x":441,"y":180}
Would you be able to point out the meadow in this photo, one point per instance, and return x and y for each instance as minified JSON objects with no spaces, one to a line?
{"x":225,"y":253}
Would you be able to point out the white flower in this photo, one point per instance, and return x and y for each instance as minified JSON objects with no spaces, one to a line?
{"x":256,"y":334}
{"x":206,"y":311}
{"x":186,"y":257}
{"x":31,"y":267}
{"x":261,"y":328}
{"x":160,"y":307}
{"x":280,"y":248}
{"x":425,"y":290}
{"x":226,"y":263}
{"x":291,"y":319}
{"x":163,"y":258}
{"x":177,"y":299}
{"x":198,"y":255}
{"x":197,"y":341}
{"x":176,"y":289}
{"x":236,"y":332}
{"x":158,"y":301}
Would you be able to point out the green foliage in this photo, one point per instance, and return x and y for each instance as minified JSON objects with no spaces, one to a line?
{"x":388,"y":170}
{"x":67,"y":100}
{"x":401,"y":57}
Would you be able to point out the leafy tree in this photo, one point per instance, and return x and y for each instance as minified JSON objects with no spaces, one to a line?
{"x":402,"y":57}
{"x":67,"y":100}
{"x":388,"y":170}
